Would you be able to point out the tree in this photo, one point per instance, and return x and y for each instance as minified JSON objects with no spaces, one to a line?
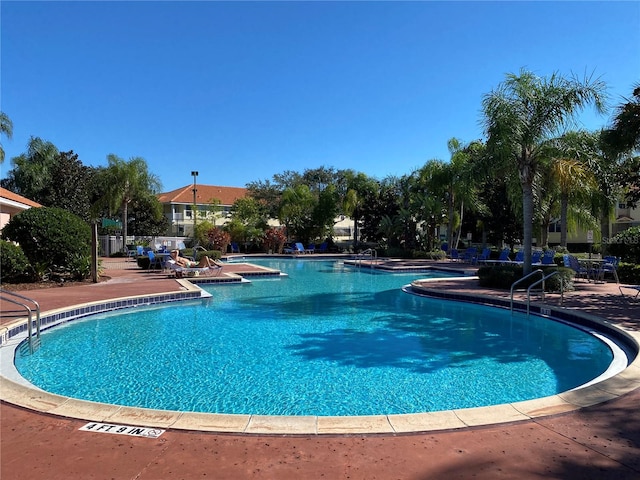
{"x":569,"y":170}
{"x":296,"y":211}
{"x":70,"y":185}
{"x":524,"y":111}
{"x":31,"y":172}
{"x":384,"y":201}
{"x":125,"y":181}
{"x":6,"y":128}
{"x":624,"y":134}
{"x":624,"y":137}
{"x":359,"y":187}
{"x":55,"y":241}
{"x":146,"y":217}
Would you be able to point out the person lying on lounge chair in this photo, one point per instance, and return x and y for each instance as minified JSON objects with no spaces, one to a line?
{"x":204,"y":262}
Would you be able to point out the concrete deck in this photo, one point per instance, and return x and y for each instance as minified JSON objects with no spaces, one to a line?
{"x":600,"y":441}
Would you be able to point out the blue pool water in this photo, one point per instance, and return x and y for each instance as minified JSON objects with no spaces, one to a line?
{"x":327,"y":340}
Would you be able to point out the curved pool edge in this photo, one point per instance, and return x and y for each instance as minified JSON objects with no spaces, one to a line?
{"x":17,"y":391}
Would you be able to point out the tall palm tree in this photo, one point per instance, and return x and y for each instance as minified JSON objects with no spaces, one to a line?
{"x":358,"y":186}
{"x":569,"y":169}
{"x":124,"y":181}
{"x":523,"y":112}
{"x":6,"y":128}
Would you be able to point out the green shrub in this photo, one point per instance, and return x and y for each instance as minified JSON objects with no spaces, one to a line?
{"x":626,"y":245}
{"x":504,"y":276}
{"x":433,"y":255}
{"x":55,"y":241}
{"x":14,"y":264}
{"x":629,"y":273}
{"x":395,"y":252}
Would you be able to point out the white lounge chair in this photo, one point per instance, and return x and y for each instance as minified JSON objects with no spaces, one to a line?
{"x":181,"y":271}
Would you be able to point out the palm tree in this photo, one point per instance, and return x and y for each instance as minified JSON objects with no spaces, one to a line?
{"x":359,"y":186}
{"x":6,"y":128}
{"x":624,"y":134}
{"x":523,"y":112}
{"x":124,"y":181}
{"x":571,"y":173}
{"x":623,"y":137}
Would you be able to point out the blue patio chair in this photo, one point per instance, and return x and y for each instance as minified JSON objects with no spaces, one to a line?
{"x":454,"y":255}
{"x":547,"y":258}
{"x":572,"y":262}
{"x":610,"y":266}
{"x":155,"y":261}
{"x":503,"y":258}
{"x":294,"y":248}
{"x":484,"y":256}
{"x":311,"y":248}
{"x":519,"y":257}
{"x":323,"y":247}
{"x":470,"y":255}
{"x":235,"y":248}
{"x":535,"y":257}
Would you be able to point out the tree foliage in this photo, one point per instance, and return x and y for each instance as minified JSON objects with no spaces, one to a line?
{"x":6,"y":129}
{"x":523,"y":112}
{"x":124,"y":182}
{"x":55,"y":241}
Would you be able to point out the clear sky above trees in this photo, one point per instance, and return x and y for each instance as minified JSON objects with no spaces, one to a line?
{"x":241,"y":91}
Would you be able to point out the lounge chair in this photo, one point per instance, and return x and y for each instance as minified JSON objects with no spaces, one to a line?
{"x":323,"y":247}
{"x":536,"y":255}
{"x":295,"y":248}
{"x":455,"y":256}
{"x":484,"y":256}
{"x":470,"y":255}
{"x":181,"y":271}
{"x":503,"y":258}
{"x":547,"y":258}
{"x":311,"y":248}
{"x":235,"y":248}
{"x":518,"y":260}
{"x":291,"y":249}
{"x":630,"y":298}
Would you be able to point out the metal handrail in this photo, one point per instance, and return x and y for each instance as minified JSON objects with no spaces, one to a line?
{"x":520,"y":280}
{"x":371,"y":253}
{"x":543,"y":280}
{"x":32,"y":344}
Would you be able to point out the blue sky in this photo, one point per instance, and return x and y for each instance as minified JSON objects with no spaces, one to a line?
{"x":241,"y":91}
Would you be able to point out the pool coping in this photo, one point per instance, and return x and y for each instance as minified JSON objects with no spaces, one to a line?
{"x":18,"y":391}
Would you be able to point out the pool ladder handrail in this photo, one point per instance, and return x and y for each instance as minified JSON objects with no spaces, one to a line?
{"x":33,"y":343}
{"x":371,"y":253}
{"x":542,"y":280}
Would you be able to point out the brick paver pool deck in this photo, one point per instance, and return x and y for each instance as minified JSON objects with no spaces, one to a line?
{"x":596,"y":442}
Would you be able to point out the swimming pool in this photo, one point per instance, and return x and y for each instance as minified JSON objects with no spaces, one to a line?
{"x":327,"y":340}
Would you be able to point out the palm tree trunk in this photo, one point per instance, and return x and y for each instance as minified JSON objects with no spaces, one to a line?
{"x":460,"y":226}
{"x":564,"y":205}
{"x":125,"y":207}
{"x":355,"y":230}
{"x":450,"y":229}
{"x":527,"y":220}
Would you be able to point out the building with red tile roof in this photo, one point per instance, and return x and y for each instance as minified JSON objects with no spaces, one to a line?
{"x":178,"y":205}
{"x":11,"y":204}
